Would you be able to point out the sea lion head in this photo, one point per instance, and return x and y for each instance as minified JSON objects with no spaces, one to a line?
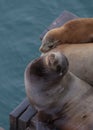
{"x":47,"y":68}
{"x":57,"y":62}
{"x":50,"y":40}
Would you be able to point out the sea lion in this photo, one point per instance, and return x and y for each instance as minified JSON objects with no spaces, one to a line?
{"x":75,"y":31}
{"x":41,"y":72}
{"x":55,"y":91}
{"x":37,"y":75}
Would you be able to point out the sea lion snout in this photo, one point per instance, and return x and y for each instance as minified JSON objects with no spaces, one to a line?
{"x":48,"y":42}
{"x":58,"y":62}
{"x":46,"y":46}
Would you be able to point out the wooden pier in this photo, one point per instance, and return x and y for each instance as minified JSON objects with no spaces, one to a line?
{"x":20,"y":117}
{"x":23,"y":116}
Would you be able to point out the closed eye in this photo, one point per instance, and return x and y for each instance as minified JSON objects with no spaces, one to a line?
{"x":50,"y":46}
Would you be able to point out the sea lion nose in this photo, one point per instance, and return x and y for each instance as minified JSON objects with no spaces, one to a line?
{"x":41,"y":49}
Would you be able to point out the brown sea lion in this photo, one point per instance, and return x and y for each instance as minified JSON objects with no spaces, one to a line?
{"x":42,"y":73}
{"x":75,"y":31}
{"x":55,"y":91}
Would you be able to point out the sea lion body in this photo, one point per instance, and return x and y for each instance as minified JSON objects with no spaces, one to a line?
{"x":75,"y":31}
{"x":76,"y":105}
{"x":55,"y":91}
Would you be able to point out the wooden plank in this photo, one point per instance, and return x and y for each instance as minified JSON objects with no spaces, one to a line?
{"x":63,"y":18}
{"x":24,"y":119}
{"x":14,"y":115}
{"x":34,"y":120}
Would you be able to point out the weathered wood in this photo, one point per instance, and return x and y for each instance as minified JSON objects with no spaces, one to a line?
{"x":63,"y":18}
{"x":15,"y":114}
{"x":34,"y":120}
{"x":24,"y":119}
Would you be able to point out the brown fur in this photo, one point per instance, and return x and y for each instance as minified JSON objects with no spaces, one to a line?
{"x":41,"y":75}
{"x":75,"y":31}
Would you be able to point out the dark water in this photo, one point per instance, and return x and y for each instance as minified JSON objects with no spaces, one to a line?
{"x":21,"y":23}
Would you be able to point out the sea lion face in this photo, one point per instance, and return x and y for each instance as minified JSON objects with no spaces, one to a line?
{"x":57,"y":62}
{"x":47,"y":44}
{"x":49,"y":41}
{"x":48,"y":67}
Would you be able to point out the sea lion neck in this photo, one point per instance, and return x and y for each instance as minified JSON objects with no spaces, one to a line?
{"x":67,"y":79}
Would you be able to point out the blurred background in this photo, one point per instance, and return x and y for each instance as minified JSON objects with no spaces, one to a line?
{"x":21,"y":23}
